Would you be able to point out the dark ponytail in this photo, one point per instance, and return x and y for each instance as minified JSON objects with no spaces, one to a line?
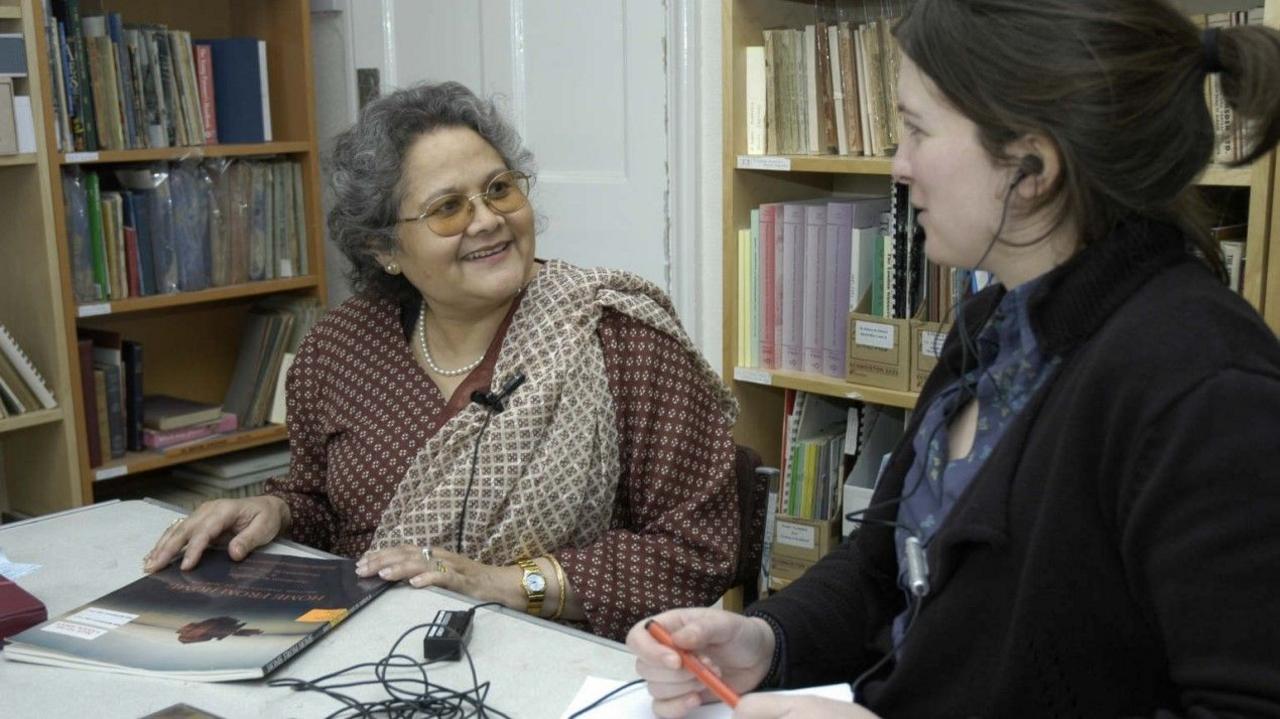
{"x":1250,"y":59}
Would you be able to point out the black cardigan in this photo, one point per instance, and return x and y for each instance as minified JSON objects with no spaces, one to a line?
{"x":1119,"y":552}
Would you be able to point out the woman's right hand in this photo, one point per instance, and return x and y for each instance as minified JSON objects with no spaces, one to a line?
{"x":250,"y":522}
{"x":738,"y":648}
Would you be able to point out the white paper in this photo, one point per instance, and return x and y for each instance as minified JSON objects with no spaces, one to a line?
{"x":634,"y":702}
{"x":12,"y":570}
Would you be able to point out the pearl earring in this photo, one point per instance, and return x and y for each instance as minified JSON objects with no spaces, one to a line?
{"x":392,"y":268}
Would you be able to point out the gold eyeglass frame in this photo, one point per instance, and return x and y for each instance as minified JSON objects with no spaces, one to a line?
{"x":513,"y":176}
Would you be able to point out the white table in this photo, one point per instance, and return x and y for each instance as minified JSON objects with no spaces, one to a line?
{"x":534,"y":667}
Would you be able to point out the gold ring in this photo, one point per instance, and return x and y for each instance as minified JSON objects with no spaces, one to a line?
{"x":440,"y":567}
{"x":176,"y":522}
{"x":426,"y":553}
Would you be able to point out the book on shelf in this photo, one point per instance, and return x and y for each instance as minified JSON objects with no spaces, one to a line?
{"x":247,"y":461}
{"x":165,"y":439}
{"x":829,"y":88}
{"x":240,"y":86}
{"x":26,"y":370}
{"x":220,"y":621}
{"x":165,"y":412}
{"x":159,"y":228}
{"x":8,"y":125}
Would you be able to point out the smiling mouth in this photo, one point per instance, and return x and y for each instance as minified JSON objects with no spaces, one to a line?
{"x":486,"y":252}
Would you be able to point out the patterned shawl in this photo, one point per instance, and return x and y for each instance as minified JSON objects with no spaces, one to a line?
{"x":548,"y":467}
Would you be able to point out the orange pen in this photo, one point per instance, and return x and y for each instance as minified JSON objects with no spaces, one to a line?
{"x":699,"y":670}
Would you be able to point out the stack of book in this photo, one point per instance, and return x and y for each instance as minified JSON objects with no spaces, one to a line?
{"x":828,"y":88}
{"x":22,"y":388}
{"x":119,"y":87}
{"x":170,"y":421}
{"x":229,"y":476}
{"x":183,"y":226}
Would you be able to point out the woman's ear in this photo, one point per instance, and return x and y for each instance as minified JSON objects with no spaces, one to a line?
{"x":1037,"y":165}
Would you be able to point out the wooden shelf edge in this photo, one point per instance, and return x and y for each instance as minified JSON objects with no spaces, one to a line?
{"x":183,"y":299}
{"x":10,"y":12}
{"x":1220,"y":176}
{"x":26,"y":158}
{"x":831,"y":164}
{"x":182,"y":153}
{"x":827,"y":386}
{"x":34,"y":418}
{"x":135,"y":462}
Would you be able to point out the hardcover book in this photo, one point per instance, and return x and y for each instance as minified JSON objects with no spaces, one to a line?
{"x":221,"y":621}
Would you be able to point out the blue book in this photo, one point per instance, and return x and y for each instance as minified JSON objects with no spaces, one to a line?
{"x":240,"y":86}
{"x":132,"y":355}
{"x":135,"y":203}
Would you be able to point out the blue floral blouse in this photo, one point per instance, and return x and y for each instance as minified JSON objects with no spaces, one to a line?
{"x":1010,"y":368}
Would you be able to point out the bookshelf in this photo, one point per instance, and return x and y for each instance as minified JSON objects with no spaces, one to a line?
{"x":190,"y":339}
{"x":752,"y":180}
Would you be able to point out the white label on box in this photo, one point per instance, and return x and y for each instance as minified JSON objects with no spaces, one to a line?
{"x":99,"y":308}
{"x":754,"y":376}
{"x":931,"y":343}
{"x":873,"y":334}
{"x":71,"y":629}
{"x":110,"y":472}
{"x":99,"y":617}
{"x":796,"y":535}
{"x":82,"y":157}
{"x":764,"y":162}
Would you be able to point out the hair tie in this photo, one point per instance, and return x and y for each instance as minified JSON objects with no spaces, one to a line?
{"x":1209,"y":43}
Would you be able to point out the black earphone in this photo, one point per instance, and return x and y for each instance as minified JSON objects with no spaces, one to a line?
{"x":1028,"y":166}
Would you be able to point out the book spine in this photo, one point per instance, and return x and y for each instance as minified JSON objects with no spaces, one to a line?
{"x":204,"y":77}
{"x":90,"y":399}
{"x":792,"y":287}
{"x":132,"y":354}
{"x":815,"y":232}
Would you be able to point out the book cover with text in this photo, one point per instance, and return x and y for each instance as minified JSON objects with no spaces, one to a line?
{"x":221,"y":621}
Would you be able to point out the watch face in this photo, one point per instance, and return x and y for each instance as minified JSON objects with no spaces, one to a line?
{"x":535,"y":582}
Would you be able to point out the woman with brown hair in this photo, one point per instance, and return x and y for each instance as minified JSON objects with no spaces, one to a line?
{"x":1083,"y":519}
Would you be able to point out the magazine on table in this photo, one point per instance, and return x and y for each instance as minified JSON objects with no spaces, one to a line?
{"x":221,"y":621}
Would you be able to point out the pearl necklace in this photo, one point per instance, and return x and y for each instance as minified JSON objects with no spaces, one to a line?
{"x":426,"y":353}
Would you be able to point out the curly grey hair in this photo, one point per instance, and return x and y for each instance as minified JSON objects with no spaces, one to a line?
{"x":367,"y":165}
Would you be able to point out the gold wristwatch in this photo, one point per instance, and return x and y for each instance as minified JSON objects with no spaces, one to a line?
{"x":535,"y":586}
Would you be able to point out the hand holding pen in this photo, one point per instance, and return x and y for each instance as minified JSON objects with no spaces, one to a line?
{"x":734,"y":651}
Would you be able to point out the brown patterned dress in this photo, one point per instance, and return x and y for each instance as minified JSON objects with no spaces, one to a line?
{"x":360,"y":407}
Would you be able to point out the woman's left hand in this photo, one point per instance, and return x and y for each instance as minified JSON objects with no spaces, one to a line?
{"x":441,"y":568}
{"x":774,"y":706}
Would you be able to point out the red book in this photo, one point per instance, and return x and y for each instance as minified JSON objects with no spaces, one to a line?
{"x":204,"y":80}
{"x":131,"y":259}
{"x":18,"y":609}
{"x":89,"y":396}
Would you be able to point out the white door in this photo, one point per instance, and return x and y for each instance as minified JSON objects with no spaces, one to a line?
{"x":585,"y":83}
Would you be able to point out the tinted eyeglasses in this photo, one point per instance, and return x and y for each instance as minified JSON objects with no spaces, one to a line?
{"x":451,"y":214}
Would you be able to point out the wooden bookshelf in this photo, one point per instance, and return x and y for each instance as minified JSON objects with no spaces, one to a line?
{"x":823,"y":385}
{"x":30,"y":419}
{"x":212,"y":295}
{"x":190,"y":340}
{"x":135,"y":462}
{"x":750,"y":180}
{"x":184,"y":153}
{"x":17,"y":160}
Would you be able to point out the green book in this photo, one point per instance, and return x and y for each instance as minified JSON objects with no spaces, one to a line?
{"x":97,"y":241}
